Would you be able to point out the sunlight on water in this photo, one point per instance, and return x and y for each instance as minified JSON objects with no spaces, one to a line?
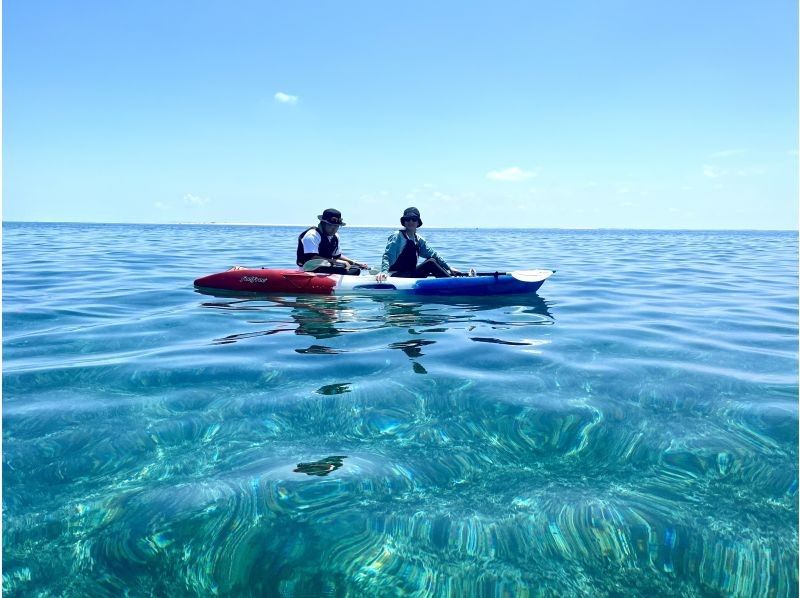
{"x":630,"y":429}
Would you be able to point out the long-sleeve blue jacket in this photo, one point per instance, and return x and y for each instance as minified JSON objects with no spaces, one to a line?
{"x":394,"y":247}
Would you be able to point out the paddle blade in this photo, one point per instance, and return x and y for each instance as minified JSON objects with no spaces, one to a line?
{"x":312,"y":265}
{"x":532,"y":275}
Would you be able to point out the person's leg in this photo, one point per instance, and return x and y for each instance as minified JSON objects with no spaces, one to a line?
{"x":431,"y":267}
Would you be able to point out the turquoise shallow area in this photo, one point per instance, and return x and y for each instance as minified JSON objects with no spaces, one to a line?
{"x":631,"y":429}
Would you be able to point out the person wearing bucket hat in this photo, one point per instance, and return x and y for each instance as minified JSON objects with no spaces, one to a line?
{"x":322,"y":241}
{"x":404,"y":248}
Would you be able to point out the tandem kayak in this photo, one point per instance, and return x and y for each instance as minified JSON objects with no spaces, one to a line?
{"x":268,"y":281}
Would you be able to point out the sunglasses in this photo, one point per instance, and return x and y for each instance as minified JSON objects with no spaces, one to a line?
{"x":411,"y":218}
{"x":334,"y":220}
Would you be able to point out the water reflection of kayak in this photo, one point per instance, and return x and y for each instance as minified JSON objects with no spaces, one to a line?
{"x":274,"y":281}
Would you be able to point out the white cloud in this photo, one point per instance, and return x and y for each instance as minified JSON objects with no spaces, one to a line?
{"x":162,"y":206}
{"x":513,"y":174}
{"x":194,"y":200}
{"x":727,"y":153}
{"x":444,"y":196}
{"x":371,"y":199}
{"x":285,"y":98}
{"x":713,"y":172}
{"x":751,"y":171}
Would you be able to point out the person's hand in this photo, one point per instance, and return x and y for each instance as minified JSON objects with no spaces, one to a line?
{"x":361,"y":265}
{"x":455,"y":272}
{"x":381,"y":276}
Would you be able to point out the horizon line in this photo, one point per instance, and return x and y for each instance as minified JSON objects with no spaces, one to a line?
{"x":214,"y":223}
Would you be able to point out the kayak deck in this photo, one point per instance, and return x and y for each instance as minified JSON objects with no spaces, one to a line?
{"x":277,"y":282}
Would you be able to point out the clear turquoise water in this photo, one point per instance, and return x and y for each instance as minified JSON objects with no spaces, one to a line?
{"x":633,"y":429}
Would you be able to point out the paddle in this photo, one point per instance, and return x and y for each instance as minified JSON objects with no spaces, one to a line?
{"x":312,"y":265}
{"x":521,"y":275}
{"x":532,"y":275}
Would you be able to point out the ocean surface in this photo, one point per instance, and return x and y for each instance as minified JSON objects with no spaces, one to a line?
{"x":630,"y":430}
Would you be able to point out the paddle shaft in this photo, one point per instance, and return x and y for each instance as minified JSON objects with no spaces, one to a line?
{"x":311,"y":265}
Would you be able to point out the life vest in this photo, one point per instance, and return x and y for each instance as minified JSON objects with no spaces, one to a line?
{"x":407,"y":260}
{"x":327,"y":247}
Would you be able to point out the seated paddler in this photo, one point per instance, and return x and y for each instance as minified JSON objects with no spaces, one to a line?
{"x":404,"y":248}
{"x":321,"y":244}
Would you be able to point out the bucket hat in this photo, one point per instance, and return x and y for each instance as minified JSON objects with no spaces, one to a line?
{"x":411,"y":213}
{"x":331,"y":216}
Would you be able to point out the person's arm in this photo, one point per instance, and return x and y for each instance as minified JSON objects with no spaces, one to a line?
{"x":311,"y":242}
{"x":347,"y":260}
{"x":389,"y":255}
{"x":351,"y":262}
{"x":311,"y":249}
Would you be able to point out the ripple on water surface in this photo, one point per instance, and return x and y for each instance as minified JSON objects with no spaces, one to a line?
{"x":632,"y":428}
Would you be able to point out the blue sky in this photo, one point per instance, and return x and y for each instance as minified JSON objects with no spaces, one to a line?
{"x":624,"y":114}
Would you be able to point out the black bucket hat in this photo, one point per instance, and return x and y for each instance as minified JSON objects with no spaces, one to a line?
{"x":331,"y":216}
{"x":411,"y":213}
